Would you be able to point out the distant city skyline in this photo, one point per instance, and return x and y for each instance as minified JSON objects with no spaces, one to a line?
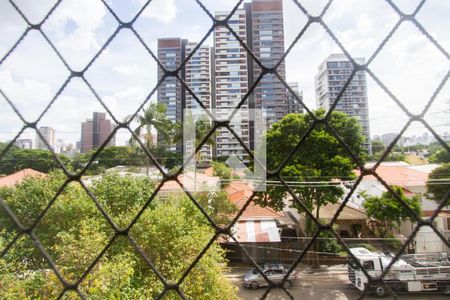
{"x":409,"y":65}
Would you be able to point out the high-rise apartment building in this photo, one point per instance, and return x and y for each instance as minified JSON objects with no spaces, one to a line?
{"x":171,"y":52}
{"x":260,"y":26}
{"x":197,"y":75}
{"x":232,"y":71}
{"x":198,"y":79}
{"x":95,"y":131}
{"x":231,"y":81}
{"x":332,"y":75}
{"x":48,"y":134}
{"x":293,"y":105}
{"x":265,"y":19}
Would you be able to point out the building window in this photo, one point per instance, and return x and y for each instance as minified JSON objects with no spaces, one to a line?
{"x":332,"y":64}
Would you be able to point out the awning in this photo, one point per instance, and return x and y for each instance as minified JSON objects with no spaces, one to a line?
{"x":258,"y":231}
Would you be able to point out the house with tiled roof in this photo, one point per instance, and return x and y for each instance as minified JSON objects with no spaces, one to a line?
{"x":262,"y":231}
{"x":413,"y":180}
{"x":18,"y":177}
{"x":256,"y":224}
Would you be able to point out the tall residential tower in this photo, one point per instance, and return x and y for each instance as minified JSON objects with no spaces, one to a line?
{"x":260,"y":26}
{"x":265,"y":19}
{"x":221,"y":78}
{"x":196,"y":73}
{"x":332,"y":75}
{"x":231,"y":81}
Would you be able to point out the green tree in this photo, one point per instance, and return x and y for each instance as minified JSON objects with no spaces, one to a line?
{"x":217,"y":205}
{"x":152,"y":118}
{"x":320,"y":159}
{"x":119,"y":155}
{"x":395,"y":156}
{"x":171,"y":231}
{"x":440,"y":156}
{"x":437,"y":184}
{"x":201,"y":127}
{"x":17,"y":159}
{"x":389,"y":211}
{"x":377,"y":147}
{"x":109,"y":157}
{"x":222,"y":171}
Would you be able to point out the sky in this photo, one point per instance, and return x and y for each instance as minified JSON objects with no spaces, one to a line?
{"x":409,"y":65}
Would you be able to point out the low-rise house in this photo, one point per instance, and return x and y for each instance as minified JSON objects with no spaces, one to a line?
{"x":18,"y":177}
{"x":256,"y":223}
{"x":266,"y":234}
{"x":413,"y":180}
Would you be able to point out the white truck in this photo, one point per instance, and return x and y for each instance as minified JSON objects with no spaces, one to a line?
{"x":428,"y":272}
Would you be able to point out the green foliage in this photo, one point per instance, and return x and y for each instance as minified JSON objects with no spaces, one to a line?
{"x":153,"y":117}
{"x":109,"y":157}
{"x":132,"y":156}
{"x":217,"y":205}
{"x":222,"y":171}
{"x":436,"y":190}
{"x":173,"y":160}
{"x":395,"y":156}
{"x":377,"y":147}
{"x":320,"y":158}
{"x":201,"y":128}
{"x":119,"y":156}
{"x":17,"y":159}
{"x":440,"y":156}
{"x":121,"y":194}
{"x":389,"y":211}
{"x":172,"y":232}
{"x":328,"y":243}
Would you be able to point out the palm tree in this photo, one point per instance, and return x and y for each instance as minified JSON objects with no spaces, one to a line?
{"x":201,"y":126}
{"x":153,"y":117}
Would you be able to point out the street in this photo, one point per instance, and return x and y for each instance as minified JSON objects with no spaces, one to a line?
{"x":325,"y":286}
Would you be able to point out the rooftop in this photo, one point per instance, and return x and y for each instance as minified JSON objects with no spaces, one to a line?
{"x":402,"y":174}
{"x":18,"y":177}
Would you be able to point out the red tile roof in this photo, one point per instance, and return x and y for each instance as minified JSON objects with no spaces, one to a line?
{"x":239,"y":192}
{"x":399,"y":175}
{"x":17,"y":177}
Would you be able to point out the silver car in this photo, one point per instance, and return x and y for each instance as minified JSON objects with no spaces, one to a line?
{"x":275,"y":272}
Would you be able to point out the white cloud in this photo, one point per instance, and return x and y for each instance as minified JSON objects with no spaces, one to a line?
{"x":126,"y":69}
{"x":125,"y":102}
{"x":30,"y":96}
{"x":124,"y":74}
{"x":74,"y":28}
{"x":164,"y":11}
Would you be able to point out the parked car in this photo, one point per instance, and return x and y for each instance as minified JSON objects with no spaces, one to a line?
{"x":274,"y":271}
